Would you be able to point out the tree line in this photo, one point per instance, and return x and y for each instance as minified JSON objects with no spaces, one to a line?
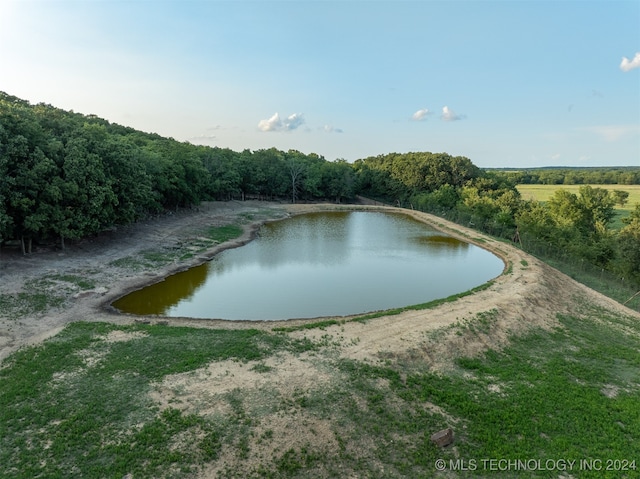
{"x":576,"y":227}
{"x":574,"y":176}
{"x":64,"y":175}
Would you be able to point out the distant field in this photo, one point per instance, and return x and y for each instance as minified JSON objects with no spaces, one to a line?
{"x":544,"y":192}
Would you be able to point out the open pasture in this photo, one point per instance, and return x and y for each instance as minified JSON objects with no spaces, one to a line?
{"x":544,"y":192}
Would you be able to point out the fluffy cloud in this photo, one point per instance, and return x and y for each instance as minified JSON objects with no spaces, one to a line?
{"x":420,"y":114}
{"x":293,"y":121}
{"x":272,"y":124}
{"x":628,"y":65}
{"x":276,"y":124}
{"x":449,"y":115}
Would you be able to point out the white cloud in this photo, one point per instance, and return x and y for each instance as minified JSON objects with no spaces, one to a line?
{"x":613,"y":132}
{"x":420,"y":114}
{"x":628,"y":65}
{"x":449,"y":115}
{"x":293,"y":121}
{"x":332,"y":129}
{"x":274,"y":123}
{"x":555,"y":156}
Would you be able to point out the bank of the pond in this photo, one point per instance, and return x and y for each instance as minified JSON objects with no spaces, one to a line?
{"x":287,"y":399}
{"x":49,"y":289}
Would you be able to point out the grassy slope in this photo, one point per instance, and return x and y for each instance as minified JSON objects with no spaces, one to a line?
{"x":78,"y":405}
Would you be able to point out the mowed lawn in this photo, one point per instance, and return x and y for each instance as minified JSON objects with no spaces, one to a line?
{"x":544,"y":192}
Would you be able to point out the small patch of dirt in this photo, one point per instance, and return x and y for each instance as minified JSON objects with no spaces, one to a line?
{"x":118,"y":336}
{"x":610,"y":390}
{"x":204,"y":391}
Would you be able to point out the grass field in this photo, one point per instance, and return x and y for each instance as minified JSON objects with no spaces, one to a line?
{"x":79,"y":406}
{"x":544,"y":192}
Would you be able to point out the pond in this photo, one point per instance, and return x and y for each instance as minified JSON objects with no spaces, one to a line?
{"x":322,"y":264}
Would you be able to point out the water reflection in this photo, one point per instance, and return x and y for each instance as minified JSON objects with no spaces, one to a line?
{"x":158,"y":297}
{"x":316,"y":238}
{"x":322,"y":264}
{"x":444,"y":245}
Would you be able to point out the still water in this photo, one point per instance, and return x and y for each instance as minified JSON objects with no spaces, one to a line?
{"x":322,"y":264}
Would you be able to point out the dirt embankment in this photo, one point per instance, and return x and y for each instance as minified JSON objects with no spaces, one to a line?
{"x":528,"y":293}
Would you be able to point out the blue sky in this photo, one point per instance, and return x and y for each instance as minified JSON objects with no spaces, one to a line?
{"x":505,"y":83}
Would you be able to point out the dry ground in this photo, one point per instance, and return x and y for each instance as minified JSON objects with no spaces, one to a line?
{"x":528,"y":293}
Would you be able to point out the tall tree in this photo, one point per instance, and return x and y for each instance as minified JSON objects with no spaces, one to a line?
{"x":89,"y":202}
{"x":6,"y":222}
{"x":296,"y":169}
{"x":629,"y":245}
{"x":620,"y":197}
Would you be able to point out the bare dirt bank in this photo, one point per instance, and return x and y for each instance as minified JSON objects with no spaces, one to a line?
{"x":529,"y":293}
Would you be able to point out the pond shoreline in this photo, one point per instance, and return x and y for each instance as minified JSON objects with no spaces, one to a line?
{"x":344,"y":262}
{"x":527,"y":293}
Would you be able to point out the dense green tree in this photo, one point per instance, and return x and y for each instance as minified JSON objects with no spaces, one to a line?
{"x":225,"y":178}
{"x":590,"y":211}
{"x":275,"y":182}
{"x":579,"y":224}
{"x":88,"y":200}
{"x":337,"y":180}
{"x":29,"y":174}
{"x":600,"y":203}
{"x":620,"y":197}
{"x":399,"y":177}
{"x":536,"y":224}
{"x":629,"y":246}
{"x":446,"y":197}
{"x":574,"y":176}
{"x":67,"y":175}
{"x":6,"y":222}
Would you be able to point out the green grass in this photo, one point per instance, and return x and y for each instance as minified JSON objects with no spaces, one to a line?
{"x":17,"y":305}
{"x":62,"y":415}
{"x":148,"y":259}
{"x":224,"y":233}
{"x":154,"y":258}
{"x":41,"y":294}
{"x":77,"y":405}
{"x":544,"y":192}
